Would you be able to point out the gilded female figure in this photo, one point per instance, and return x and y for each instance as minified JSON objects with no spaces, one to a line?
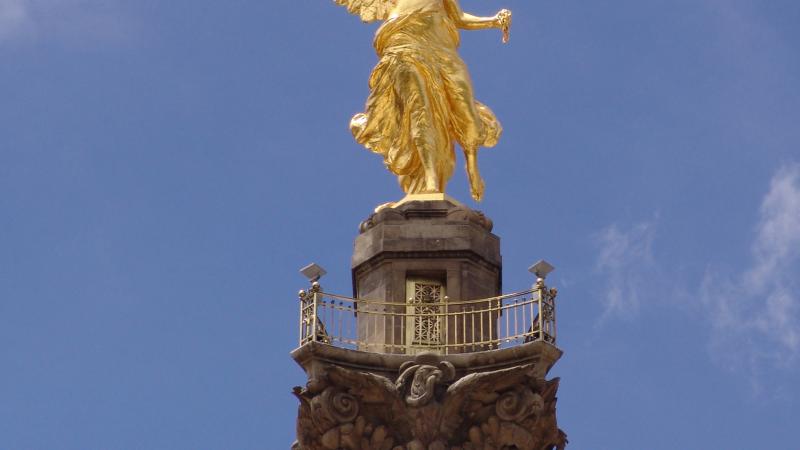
{"x":421,"y":99}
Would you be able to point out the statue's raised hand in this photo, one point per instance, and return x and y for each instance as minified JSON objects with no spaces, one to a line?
{"x":503,"y":19}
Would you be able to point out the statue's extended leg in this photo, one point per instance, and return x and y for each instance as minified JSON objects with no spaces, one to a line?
{"x":476,"y":184}
{"x":424,"y":136}
{"x":426,"y":145}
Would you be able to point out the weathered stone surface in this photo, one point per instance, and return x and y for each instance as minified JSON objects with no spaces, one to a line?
{"x":428,"y":406}
{"x":426,"y":228}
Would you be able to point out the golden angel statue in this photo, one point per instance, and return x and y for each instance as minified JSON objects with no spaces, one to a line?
{"x":421,"y":99}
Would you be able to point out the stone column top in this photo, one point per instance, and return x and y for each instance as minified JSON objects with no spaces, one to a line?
{"x":427,"y":229}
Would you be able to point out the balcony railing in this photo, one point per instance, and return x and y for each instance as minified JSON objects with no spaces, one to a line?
{"x":444,"y":327}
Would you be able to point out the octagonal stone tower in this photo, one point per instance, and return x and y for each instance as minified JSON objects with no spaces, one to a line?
{"x":423,"y":254}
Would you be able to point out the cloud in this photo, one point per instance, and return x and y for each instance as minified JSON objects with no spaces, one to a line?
{"x":86,"y":20}
{"x":753,"y":315}
{"x":756,"y":315}
{"x":625,"y":261}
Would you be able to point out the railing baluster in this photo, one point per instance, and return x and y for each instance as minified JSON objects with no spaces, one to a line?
{"x":464,"y":323}
{"x":446,"y":321}
{"x":483,"y":338}
{"x":328,"y":305}
{"x":555,"y":328}
{"x":508,"y":328}
{"x":314,"y":319}
{"x":340,"y":313}
{"x":470,"y":328}
{"x":532,"y":332}
{"x":542,"y":314}
{"x":302,"y":316}
{"x":491,"y":323}
{"x":385,"y":339}
{"x":455,"y":332}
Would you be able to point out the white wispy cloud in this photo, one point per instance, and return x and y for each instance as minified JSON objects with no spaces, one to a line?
{"x":87,"y":20}
{"x":625,"y":261}
{"x":756,"y":315}
{"x":753,"y":315}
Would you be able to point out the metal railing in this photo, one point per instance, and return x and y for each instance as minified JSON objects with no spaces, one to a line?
{"x":446,"y":327}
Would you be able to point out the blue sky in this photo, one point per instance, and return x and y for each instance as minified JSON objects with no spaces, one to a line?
{"x":166,"y":167}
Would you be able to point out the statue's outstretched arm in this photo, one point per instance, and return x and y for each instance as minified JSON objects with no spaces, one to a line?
{"x":501,"y":20}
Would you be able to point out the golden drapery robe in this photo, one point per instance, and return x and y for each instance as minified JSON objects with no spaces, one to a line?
{"x":421,"y":102}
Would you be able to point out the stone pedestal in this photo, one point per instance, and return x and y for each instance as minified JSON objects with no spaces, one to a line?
{"x":428,"y":369}
{"x":434,"y":252}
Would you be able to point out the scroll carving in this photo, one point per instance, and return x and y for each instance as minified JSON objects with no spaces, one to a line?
{"x":335,"y":406}
{"x":517,"y":404}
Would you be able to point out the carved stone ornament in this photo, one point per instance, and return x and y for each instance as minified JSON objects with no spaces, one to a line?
{"x":425,"y":409}
{"x":419,"y":379}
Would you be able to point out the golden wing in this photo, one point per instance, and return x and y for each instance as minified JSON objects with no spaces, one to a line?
{"x":368,"y":10}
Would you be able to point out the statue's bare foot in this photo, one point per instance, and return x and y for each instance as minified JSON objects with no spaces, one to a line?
{"x":384,"y":206}
{"x":477,"y":187}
